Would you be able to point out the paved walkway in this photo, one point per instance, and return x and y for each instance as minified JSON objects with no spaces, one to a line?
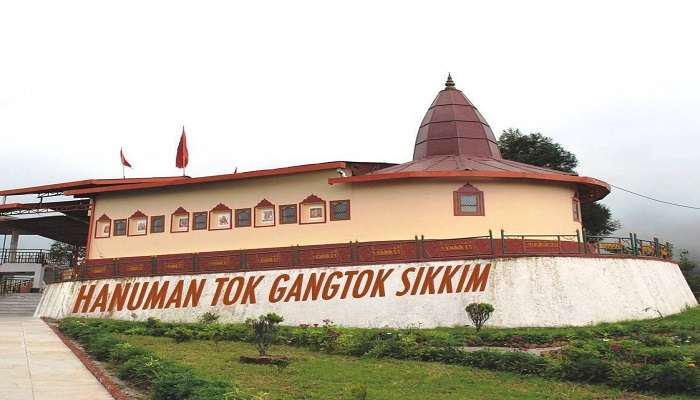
{"x":35,"y":364}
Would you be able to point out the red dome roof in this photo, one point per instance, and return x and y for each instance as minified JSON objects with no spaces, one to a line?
{"x":453,"y":126}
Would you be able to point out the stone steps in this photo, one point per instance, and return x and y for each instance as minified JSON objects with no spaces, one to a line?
{"x":19,"y":304}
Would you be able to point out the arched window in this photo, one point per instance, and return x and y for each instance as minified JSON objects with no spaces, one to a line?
{"x":312,"y":210}
{"x":264,"y":214}
{"x":468,"y":201}
{"x":180,"y":221}
{"x":103,"y":227}
{"x":220,"y":217}
{"x":137,"y":224}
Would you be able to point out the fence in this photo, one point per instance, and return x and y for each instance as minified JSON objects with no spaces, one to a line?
{"x":24,"y":256}
{"x":54,"y":274}
{"x":15,"y":285}
{"x":359,"y":253}
{"x":630,"y":245}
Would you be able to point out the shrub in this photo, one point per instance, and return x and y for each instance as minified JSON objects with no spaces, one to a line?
{"x":519,"y":362}
{"x":329,"y":338}
{"x":265,"y":329}
{"x":175,"y":386}
{"x":358,"y":392}
{"x":393,"y":345}
{"x":101,"y":345}
{"x":122,"y":352}
{"x":141,"y":370}
{"x":659,"y":356}
{"x":582,"y":364}
{"x":155,"y":327}
{"x":184,"y":384}
{"x":137,"y":330}
{"x":180,"y":334}
{"x":479,"y":313}
{"x":668,"y":377}
{"x":656,"y":340}
{"x":208,"y":318}
{"x":357,"y":343}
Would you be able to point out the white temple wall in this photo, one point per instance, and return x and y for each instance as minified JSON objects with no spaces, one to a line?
{"x":525,"y":291}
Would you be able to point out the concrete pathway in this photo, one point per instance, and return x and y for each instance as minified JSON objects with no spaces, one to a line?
{"x":36,"y":365}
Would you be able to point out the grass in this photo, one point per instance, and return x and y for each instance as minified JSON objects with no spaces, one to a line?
{"x":315,"y":375}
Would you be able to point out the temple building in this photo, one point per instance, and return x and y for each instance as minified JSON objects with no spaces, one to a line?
{"x":457,"y":185}
{"x":458,"y":203}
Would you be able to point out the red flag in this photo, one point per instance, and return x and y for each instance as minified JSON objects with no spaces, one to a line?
{"x":124,"y":162}
{"x":182,"y":157}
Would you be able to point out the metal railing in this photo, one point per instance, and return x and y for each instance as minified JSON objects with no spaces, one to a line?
{"x":54,"y":274}
{"x":25,"y":256}
{"x":359,"y":253}
{"x":629,"y":245}
{"x":15,"y":285}
{"x":541,"y":244}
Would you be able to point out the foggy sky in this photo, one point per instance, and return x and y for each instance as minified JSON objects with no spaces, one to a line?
{"x":267,"y":84}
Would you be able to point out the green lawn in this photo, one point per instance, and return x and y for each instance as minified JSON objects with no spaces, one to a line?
{"x":315,"y":375}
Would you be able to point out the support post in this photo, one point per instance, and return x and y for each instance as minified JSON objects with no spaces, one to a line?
{"x":154,"y":265}
{"x":657,"y":249}
{"x":503,"y":243}
{"x":578,"y":241}
{"x":4,"y":237}
{"x":14,"y":243}
{"x":633,"y":245}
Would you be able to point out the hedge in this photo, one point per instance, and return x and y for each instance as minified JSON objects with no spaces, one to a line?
{"x":638,"y":361}
{"x":164,"y":379}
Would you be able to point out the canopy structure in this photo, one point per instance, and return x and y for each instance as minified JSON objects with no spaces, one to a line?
{"x":71,"y":225}
{"x":61,"y":228}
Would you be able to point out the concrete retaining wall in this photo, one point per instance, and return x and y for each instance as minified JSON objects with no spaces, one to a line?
{"x":526,"y":291}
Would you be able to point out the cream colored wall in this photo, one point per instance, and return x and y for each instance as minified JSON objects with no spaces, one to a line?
{"x":379,"y":211}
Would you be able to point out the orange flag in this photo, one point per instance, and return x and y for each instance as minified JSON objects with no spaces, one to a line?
{"x":182,"y":157}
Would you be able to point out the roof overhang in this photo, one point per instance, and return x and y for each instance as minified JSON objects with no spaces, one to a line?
{"x":590,"y":189}
{"x":61,"y":228}
{"x":76,"y":208}
{"x":77,"y":185}
{"x":359,"y":167}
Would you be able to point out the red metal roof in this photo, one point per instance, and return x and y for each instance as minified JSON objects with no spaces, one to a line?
{"x":58,"y":206}
{"x":465,"y":163}
{"x":454,"y":126}
{"x":214,"y":178}
{"x":84,"y":184}
{"x":590,"y":189}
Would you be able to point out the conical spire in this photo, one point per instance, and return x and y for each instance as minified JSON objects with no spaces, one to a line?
{"x":453,"y":126}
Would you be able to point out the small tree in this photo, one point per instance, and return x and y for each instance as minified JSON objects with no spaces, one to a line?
{"x":208,"y":318}
{"x":66,"y":254}
{"x":479,"y":313}
{"x":265,"y":328}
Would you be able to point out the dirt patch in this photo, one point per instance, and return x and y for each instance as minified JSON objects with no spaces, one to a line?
{"x":264,"y":360}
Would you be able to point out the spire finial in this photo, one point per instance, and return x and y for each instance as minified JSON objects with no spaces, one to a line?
{"x":449,"y":85}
